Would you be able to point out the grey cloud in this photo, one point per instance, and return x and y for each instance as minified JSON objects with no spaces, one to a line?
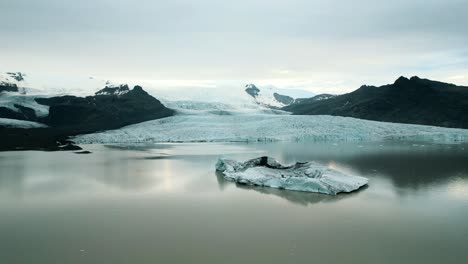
{"x":235,"y":39}
{"x":302,"y":17}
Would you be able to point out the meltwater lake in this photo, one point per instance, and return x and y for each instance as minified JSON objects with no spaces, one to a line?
{"x":164,"y":203}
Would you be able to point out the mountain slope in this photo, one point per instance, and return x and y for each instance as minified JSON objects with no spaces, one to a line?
{"x":102,"y":111}
{"x":10,"y":81}
{"x":315,"y":98}
{"x":415,"y":101}
{"x":51,"y":84}
{"x":270,"y":96}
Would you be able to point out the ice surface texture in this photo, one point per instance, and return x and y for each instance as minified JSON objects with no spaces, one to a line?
{"x":257,"y":127}
{"x":302,"y":176}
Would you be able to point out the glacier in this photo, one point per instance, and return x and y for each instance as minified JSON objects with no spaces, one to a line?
{"x":13,"y":123}
{"x":270,"y":127}
{"x":302,"y":176}
{"x":10,"y":99}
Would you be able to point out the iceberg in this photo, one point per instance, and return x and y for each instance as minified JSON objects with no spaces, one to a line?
{"x":302,"y":176}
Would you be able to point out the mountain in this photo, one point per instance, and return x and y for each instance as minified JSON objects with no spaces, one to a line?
{"x":17,"y":76}
{"x":414,"y":101}
{"x":283,"y":99}
{"x":9,"y":81}
{"x":252,"y":90}
{"x":318,"y":97}
{"x":109,"y":108}
{"x":114,"y":90}
{"x":52,"y":84}
{"x":20,"y":94}
{"x":8,"y":87}
{"x":273,"y":97}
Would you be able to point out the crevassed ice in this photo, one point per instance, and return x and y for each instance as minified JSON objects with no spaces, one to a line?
{"x":263,"y":127}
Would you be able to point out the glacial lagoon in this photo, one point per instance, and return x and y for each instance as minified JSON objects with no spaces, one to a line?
{"x":164,"y":203}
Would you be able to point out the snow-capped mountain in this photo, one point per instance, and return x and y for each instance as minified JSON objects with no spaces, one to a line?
{"x":218,"y":99}
{"x":114,"y":90}
{"x":271,"y":96}
{"x":12,"y":78}
{"x":19,"y":91}
{"x":11,"y":81}
{"x":319,"y":97}
{"x":50,"y":84}
{"x":215,"y":98}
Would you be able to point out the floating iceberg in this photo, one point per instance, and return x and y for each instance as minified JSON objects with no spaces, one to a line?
{"x":302,"y":176}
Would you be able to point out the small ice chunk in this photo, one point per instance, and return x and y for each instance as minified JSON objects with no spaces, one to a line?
{"x":302,"y":176}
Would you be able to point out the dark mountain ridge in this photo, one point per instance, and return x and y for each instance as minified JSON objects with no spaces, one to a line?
{"x":252,"y":90}
{"x":318,"y":97}
{"x":414,"y":101}
{"x":102,"y":112}
{"x":284,"y":99}
{"x":8,"y":87}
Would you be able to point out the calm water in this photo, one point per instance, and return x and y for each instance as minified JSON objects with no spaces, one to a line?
{"x":165,"y":204}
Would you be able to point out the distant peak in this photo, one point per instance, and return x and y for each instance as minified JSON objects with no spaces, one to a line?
{"x":137,"y":91}
{"x":251,"y":86}
{"x":138,"y":88}
{"x":401,"y":79}
{"x":18,"y":76}
{"x":415,"y":78}
{"x":252,"y":90}
{"x":114,"y":90}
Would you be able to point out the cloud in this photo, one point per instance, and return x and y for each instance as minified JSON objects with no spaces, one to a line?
{"x":456,"y":77}
{"x":319,"y":42}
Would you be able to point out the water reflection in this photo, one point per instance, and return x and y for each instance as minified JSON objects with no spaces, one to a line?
{"x":409,"y":166}
{"x":140,"y":147}
{"x":51,"y":174}
{"x":413,"y":170}
{"x":299,"y":198}
{"x":182,"y":167}
{"x":165,"y":204}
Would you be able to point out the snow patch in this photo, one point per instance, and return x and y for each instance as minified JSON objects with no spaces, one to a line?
{"x":116,"y":90}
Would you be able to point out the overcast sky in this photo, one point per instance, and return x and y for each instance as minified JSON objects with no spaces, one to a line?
{"x":322,"y":45}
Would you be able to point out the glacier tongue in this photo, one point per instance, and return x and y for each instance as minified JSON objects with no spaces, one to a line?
{"x":302,"y":176}
{"x":268,"y":127}
{"x":13,"y":123}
